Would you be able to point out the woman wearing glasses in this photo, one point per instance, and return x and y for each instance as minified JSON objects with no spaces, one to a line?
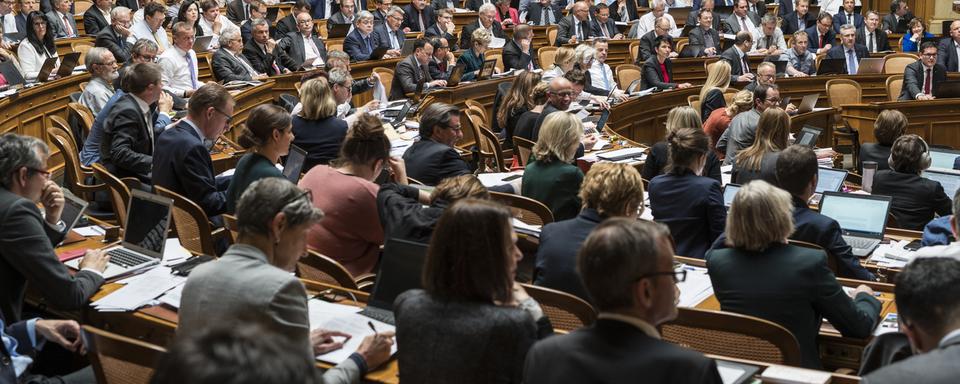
{"x":762,"y":275}
{"x":37,"y":47}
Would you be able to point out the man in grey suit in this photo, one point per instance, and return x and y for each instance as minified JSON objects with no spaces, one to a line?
{"x":62,"y":23}
{"x":347,"y":15}
{"x":229,"y":63}
{"x":921,"y":78}
{"x":575,"y":27}
{"x":928,"y":308}
{"x":253,"y":280}
{"x":413,"y":70}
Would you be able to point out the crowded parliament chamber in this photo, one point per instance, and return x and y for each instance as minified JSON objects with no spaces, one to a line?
{"x":479,"y":191}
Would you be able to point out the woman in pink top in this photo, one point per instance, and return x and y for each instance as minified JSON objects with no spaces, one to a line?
{"x":720,"y":118}
{"x":350,"y":231}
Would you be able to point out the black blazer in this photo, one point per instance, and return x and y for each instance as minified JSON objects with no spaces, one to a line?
{"x":434,"y":30}
{"x":118,"y":46}
{"x":659,"y":157}
{"x":612,"y":351}
{"x":354,"y":45}
{"x":692,"y":206}
{"x":947,"y":55}
{"x":840,"y":19}
{"x":514,"y":58}
{"x":407,"y":75}
{"x":93,"y":21}
{"x":320,"y":138}
{"x":466,"y":35}
{"x":566,"y":30}
{"x":791,"y":22}
{"x":696,"y":39}
{"x":182,"y":164}
{"x":403,"y":216}
{"x":880,"y":36}
{"x":556,"y":261}
{"x":913,"y":79}
{"x":653,"y":76}
{"x":890,"y":23}
{"x":786,"y":6}
{"x":610,"y":24}
{"x":227,"y":68}
{"x":631,"y":10}
{"x":410,"y":20}
{"x":874,"y":152}
{"x":915,"y":199}
{"x":438,"y":73}
{"x":713,"y":101}
{"x":126,"y":149}
{"x":736,"y":63}
{"x":27,"y":255}
{"x":430,"y":162}
{"x":262,"y":61}
{"x":291,"y":50}
{"x":828,"y":38}
{"x":284,"y":26}
{"x":535,"y":13}
{"x":234,"y":11}
{"x":767,"y":171}
{"x":791,"y":286}
{"x":648,"y":47}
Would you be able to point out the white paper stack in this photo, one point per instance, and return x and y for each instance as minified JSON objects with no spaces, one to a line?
{"x":526,"y":229}
{"x":343,"y":318}
{"x":696,"y":288}
{"x":139,"y":290}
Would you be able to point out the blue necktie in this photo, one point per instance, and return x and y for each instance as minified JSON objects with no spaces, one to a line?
{"x":366,"y":40}
{"x":851,"y":63}
{"x":606,"y":81}
{"x":193,"y":72}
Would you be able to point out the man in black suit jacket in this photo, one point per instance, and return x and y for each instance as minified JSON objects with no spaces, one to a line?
{"x":693,"y":18}
{"x":705,"y":38}
{"x":603,"y":25}
{"x":27,"y":254}
{"x":390,"y":34}
{"x":433,"y":158}
{"x":517,"y":51}
{"x":413,"y":70}
{"x":821,"y":34}
{"x":29,"y":336}
{"x":261,"y":50}
{"x":871,"y":28}
{"x":444,"y":27}
{"x":486,"y":19}
{"x":625,"y":10}
{"x":417,"y":16}
{"x":442,"y":61}
{"x":947,"y":51}
{"x":737,"y":57}
{"x":798,"y":19}
{"x":238,"y":11}
{"x":347,"y":15}
{"x":128,"y":135}
{"x":848,"y":16}
{"x":928,"y":305}
{"x":94,"y":20}
{"x":535,"y":14}
{"x":634,"y":293}
{"x":848,"y":49}
{"x":915,"y":79}
{"x":899,"y":10}
{"x":361,"y":42}
{"x":182,"y":163}
{"x":292,"y":49}
{"x":229,"y":64}
{"x":575,"y":27}
{"x":114,"y":38}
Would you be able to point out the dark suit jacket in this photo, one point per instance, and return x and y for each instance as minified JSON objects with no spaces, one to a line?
{"x":692,"y":206}
{"x":182,"y":164}
{"x":21,"y":26}
{"x":890,"y":23}
{"x":379,"y":17}
{"x":262,"y":61}
{"x":659,"y":157}
{"x":612,"y":351}
{"x":915,"y":199}
{"x":56,"y":24}
{"x":631,"y":10}
{"x":535,"y":13}
{"x":696,"y":38}
{"x":285,"y":25}
{"x":840,"y":19}
{"x":227,"y":68}
{"x":786,"y":6}
{"x":694,"y":19}
{"x":791,"y":23}
{"x":566,"y":30}
{"x":913,"y":76}
{"x":736,"y":63}
{"x":291,"y":50}
{"x":434,"y":30}
{"x":93,"y":21}
{"x":734,"y":21}
{"x":410,"y":15}
{"x":438,"y":73}
{"x":653,"y":76}
{"x":828,"y":38}
{"x":18,"y":331}
{"x":514,"y":58}
{"x":441,"y":4}
{"x":134,"y":5}
{"x":880,"y":36}
{"x":27,"y":255}
{"x":791,"y":286}
{"x":937,"y":366}
{"x":337,"y":18}
{"x":118,"y":46}
{"x":839,"y":52}
{"x":713,"y":101}
{"x":648,"y":47}
{"x":466,"y":35}
{"x":556,"y":262}
{"x":430,"y":162}
{"x":355,"y":46}
{"x":403,"y":216}
{"x":406,"y":76}
{"x":610,"y":24}
{"x":126,"y":149}
{"x":874,"y":152}
{"x":555,"y":184}
{"x":947,"y":55}
{"x":320,"y":138}
{"x":234,"y":11}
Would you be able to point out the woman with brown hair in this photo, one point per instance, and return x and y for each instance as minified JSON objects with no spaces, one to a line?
{"x":514,"y":105}
{"x":678,"y":117}
{"x":890,"y":125}
{"x":266,"y":136}
{"x":759,"y":160}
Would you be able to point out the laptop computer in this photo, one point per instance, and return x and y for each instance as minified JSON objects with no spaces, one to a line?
{"x":73,"y":208}
{"x":870,"y":65}
{"x":378,"y":52}
{"x":828,"y":180}
{"x":949,"y":89}
{"x":11,"y":74}
{"x":143,"y":239}
{"x":808,"y":103}
{"x":862,"y":218}
{"x":729,"y":191}
{"x":456,"y":75}
{"x":808,"y":136}
{"x":943,"y":158}
{"x":400,"y":269}
{"x":338,"y":31}
{"x":691,"y":50}
{"x":46,"y":69}
{"x":832,"y":67}
{"x":272,"y":13}
{"x":202,"y":43}
{"x":949,"y":180}
{"x":68,"y":62}
{"x":486,"y":71}
{"x":294,"y":164}
{"x":781,"y":67}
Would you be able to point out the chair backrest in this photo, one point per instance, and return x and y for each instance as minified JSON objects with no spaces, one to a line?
{"x":524,"y":147}
{"x":83,"y":86}
{"x":894,"y":87}
{"x":321,"y":268}
{"x":488,"y":147}
{"x":635,"y":51}
{"x":495,"y":53}
{"x":708,"y":62}
{"x":626,"y":74}
{"x":733,"y":335}
{"x":386,"y":77}
{"x":843,"y":91}
{"x":565,"y":311}
{"x":334,"y":45}
{"x":475,"y":105}
{"x":81,"y":46}
{"x":895,"y":63}
{"x":192,"y":225}
{"x":525,"y":209}
{"x":552,"y":32}
{"x":83,"y":115}
{"x":547,"y":56}
{"x":119,"y":192}
{"x":74,"y":173}
{"x":81,"y":6}
{"x":119,"y":359}
{"x":230,"y":224}
{"x":694,"y":102}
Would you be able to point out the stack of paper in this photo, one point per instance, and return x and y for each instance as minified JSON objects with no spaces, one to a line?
{"x":892,"y":255}
{"x":696,"y":288}
{"x":499,"y":178}
{"x":343,"y":318}
{"x":526,"y":229}
{"x":139,"y":290}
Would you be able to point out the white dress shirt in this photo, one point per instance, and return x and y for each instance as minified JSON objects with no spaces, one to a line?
{"x":206,"y":27}
{"x":106,"y":15}
{"x":601,"y":76}
{"x":759,"y":37}
{"x":645,"y":24}
{"x":31,"y":61}
{"x":243,"y":61}
{"x":311,"y":50}
{"x":176,"y":74}
{"x":141,"y":30}
{"x":96,"y":94}
{"x":9,"y":23}
{"x":147,"y":116}
{"x":833,"y":6}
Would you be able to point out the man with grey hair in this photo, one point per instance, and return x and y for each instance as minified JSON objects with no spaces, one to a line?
{"x":627,"y":267}
{"x":229,"y":64}
{"x":390,"y":33}
{"x":848,"y":49}
{"x":574,"y":28}
{"x":648,"y":22}
{"x":486,"y":19}
{"x":768,"y":39}
{"x":115,"y":37}
{"x":339,"y":59}
{"x":103,"y":71}
{"x":261,"y":50}
{"x":434,"y":158}
{"x":361,"y":41}
{"x":62,"y":22}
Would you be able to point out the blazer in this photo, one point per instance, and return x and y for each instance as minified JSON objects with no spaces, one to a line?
{"x":610,"y":25}
{"x":883,"y":44}
{"x":439,"y":69}
{"x":692,"y":207}
{"x":93,"y":21}
{"x":786,"y":6}
{"x":555,"y":184}
{"x":472,"y":63}
{"x":466,"y":35}
{"x":57,"y":27}
{"x":613,"y":351}
{"x":697,"y":39}
{"x":693,"y":18}
{"x":840,"y":19}
{"x":535,"y":13}
{"x":658,"y":158}
{"x":410,"y":15}
{"x":734,"y":22}
{"x":713,"y":101}
{"x":20,"y":334}
{"x":117,"y":45}
{"x":514,"y":58}
{"x":182,"y":164}
{"x":284,"y":26}
{"x":381,"y":36}
{"x":251,"y":167}
{"x":355,"y":46}
{"x":556,"y":260}
{"x":828,"y":38}
{"x":947,"y":55}
{"x":736,"y":63}
{"x":915,"y":199}
{"x":653,"y":75}
{"x":839,"y":52}
{"x":407,"y":75}
{"x":913,"y":76}
{"x":321,"y":139}
{"x":235,"y":11}
{"x":261,"y":61}
{"x":648,"y":47}
{"x":434,"y":30}
{"x":937,"y":366}
{"x":460,"y":341}
{"x":890,"y":23}
{"x":227,"y":68}
{"x":909,"y":46}
{"x":291,"y":50}
{"x":126,"y":148}
{"x":430,"y":162}
{"x":134,"y":5}
{"x":767,"y":171}
{"x":441,"y":4}
{"x":791,"y":286}
{"x":474,"y":5}
{"x":874,"y":152}
{"x":632,"y":13}
{"x":566,"y":30}
{"x":338,"y":18}
{"x":403,"y":216}
{"x":791,"y":22}
{"x":221,"y":291}
{"x":27,"y":256}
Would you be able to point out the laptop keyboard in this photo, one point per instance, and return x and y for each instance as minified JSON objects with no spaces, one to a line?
{"x":861,"y":246}
{"x":125,"y":258}
{"x":379,"y":314}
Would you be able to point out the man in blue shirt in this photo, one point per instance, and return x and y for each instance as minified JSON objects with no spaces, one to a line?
{"x":20,"y":342}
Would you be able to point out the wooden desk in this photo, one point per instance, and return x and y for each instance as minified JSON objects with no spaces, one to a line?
{"x":822,"y":119}
{"x":936,"y":121}
{"x":246,"y":99}
{"x":480,"y":91}
{"x":64,"y":45}
{"x":642,"y":119}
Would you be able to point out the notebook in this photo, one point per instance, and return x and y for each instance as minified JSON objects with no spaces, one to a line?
{"x":949,"y":180}
{"x":400,"y":269}
{"x":862,"y":218}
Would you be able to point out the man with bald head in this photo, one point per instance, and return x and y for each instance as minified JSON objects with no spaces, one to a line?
{"x":648,"y":43}
{"x":647,"y":22}
{"x":948,"y":53}
{"x":575,"y":27}
{"x":559,"y":97}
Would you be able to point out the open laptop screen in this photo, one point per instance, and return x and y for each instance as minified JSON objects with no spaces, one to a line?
{"x":400,"y":270}
{"x":729,"y":191}
{"x":294,"y":165}
{"x":858,"y":214}
{"x":148,"y":217}
{"x":829,"y":179}
{"x":943,"y":158}
{"x":949,"y":180}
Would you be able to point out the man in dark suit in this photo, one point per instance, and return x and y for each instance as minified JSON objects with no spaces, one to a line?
{"x":446,"y":4}
{"x":182,"y":163}
{"x":229,"y":64}
{"x":928,"y":309}
{"x":948,"y":52}
{"x":390,"y":34}
{"x":737,"y":57}
{"x":238,"y":11}
{"x":848,"y":16}
{"x":627,"y":267}
{"x":380,"y":10}
{"x":61,"y":20}
{"x":442,"y":61}
{"x":261,"y":50}
{"x":559,"y":96}
{"x":114,"y":38}
{"x":625,"y":10}
{"x":347,"y":14}
{"x":288,"y":23}
{"x":433,"y":158}
{"x":742,"y":19}
{"x":921,"y":78}
{"x":128,"y":135}
{"x":444,"y":27}
{"x":517,"y":51}
{"x":575,"y":27}
{"x":603,"y":25}
{"x":544,"y":12}
{"x":821,"y":35}
{"x":848,"y":49}
{"x":486,"y":19}
{"x":417,"y":16}
{"x":704,"y":37}
{"x":133,"y":5}
{"x":294,"y":51}
{"x":693,"y":18}
{"x":871,"y":36}
{"x":94,"y":19}
{"x":412,"y":71}
{"x":258,"y":10}
{"x":25,"y":339}
{"x":27,"y":238}
{"x":648,"y":42}
{"x":361,"y":42}
{"x":798,"y":19}
{"x":899,"y":10}
{"x":785,"y":7}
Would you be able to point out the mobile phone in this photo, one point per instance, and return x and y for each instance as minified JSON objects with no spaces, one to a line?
{"x":913,"y":245}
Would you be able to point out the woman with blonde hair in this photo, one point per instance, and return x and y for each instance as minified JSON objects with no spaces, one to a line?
{"x":759,"y":160}
{"x":563,"y":62}
{"x":317,"y":129}
{"x":720,"y":119}
{"x":711,"y":95}
{"x":515,"y":104}
{"x":472,"y":59}
{"x":657,"y":159}
{"x":550,"y":178}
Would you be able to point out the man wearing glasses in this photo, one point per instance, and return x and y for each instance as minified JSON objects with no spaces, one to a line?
{"x":444,"y":27}
{"x":361,"y":42}
{"x":302,"y":49}
{"x":229,"y":63}
{"x":648,"y":43}
{"x":743,"y":127}
{"x":14,"y":27}
{"x":921,"y":78}
{"x":61,"y":20}
{"x":115,"y":37}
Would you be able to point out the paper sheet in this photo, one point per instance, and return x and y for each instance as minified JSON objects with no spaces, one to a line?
{"x":493,"y":179}
{"x":696,"y":288}
{"x":729,"y":375}
{"x":343,"y":318}
{"x":527,"y":229}
{"x":139,"y":290}
{"x":90,"y":231}
{"x":496,"y":42}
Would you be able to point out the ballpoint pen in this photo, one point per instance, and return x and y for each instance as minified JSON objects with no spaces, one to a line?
{"x":375,"y":333}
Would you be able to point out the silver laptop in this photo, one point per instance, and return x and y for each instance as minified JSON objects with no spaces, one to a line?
{"x":729,"y":191}
{"x":943,"y":158}
{"x":202,"y":43}
{"x":862,"y":218}
{"x":808,"y":103}
{"x":294,"y":165}
{"x":148,"y":218}
{"x":828,"y":180}
{"x":949,"y":180}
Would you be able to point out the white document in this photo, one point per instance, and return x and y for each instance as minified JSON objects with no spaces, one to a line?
{"x":139,"y":290}
{"x":343,"y":318}
{"x":729,"y":375}
{"x":696,"y":288}
{"x":172,"y":297}
{"x":527,"y":229}
{"x":493,"y":179}
{"x":380,"y":93}
{"x":90,"y":231}
{"x":496,"y":42}
{"x":726,"y":174}
{"x":600,"y":144}
{"x":173,"y":252}
{"x":793,"y":375}
{"x":629,"y":153}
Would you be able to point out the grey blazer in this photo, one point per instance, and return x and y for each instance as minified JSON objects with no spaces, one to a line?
{"x":406,"y":76}
{"x":938,"y":366}
{"x":56,"y":24}
{"x":242,"y":286}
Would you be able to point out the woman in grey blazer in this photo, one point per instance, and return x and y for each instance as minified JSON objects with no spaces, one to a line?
{"x":472,"y":323}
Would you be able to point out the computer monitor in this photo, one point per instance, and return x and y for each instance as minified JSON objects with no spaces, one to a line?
{"x":830,"y":180}
{"x":148,"y":217}
{"x":400,"y":270}
{"x":857,"y":214}
{"x":950,"y":180}
{"x":943,"y":158}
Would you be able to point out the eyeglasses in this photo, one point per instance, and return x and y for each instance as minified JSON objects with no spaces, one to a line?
{"x":148,"y":58}
{"x":229,"y":118}
{"x":305,"y":22}
{"x":306,"y":193}
{"x":45,"y":173}
{"x":563,"y":94}
{"x":455,"y":127}
{"x":929,"y":54}
{"x":775,"y":101}
{"x":678,"y":276}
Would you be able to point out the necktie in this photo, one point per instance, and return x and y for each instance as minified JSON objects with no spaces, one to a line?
{"x":743,"y":63}
{"x":193,"y":71}
{"x":246,"y":11}
{"x":849,"y":18}
{"x":420,"y":19}
{"x":870,"y":45}
{"x":821,"y":40}
{"x":544,"y":17}
{"x":743,"y":24}
{"x":580,"y":31}
{"x":273,"y":63}
{"x":603,"y":27}
{"x":366,"y":40}
{"x":66,"y":26}
{"x":851,"y":62}
{"x":769,"y":41}
{"x":927,"y":82}
{"x":606,"y":80}
{"x":243,"y":60}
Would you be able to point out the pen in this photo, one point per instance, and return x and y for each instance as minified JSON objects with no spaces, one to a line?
{"x":375,"y":333}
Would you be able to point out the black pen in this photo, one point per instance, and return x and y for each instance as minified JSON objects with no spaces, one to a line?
{"x":375,"y":333}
